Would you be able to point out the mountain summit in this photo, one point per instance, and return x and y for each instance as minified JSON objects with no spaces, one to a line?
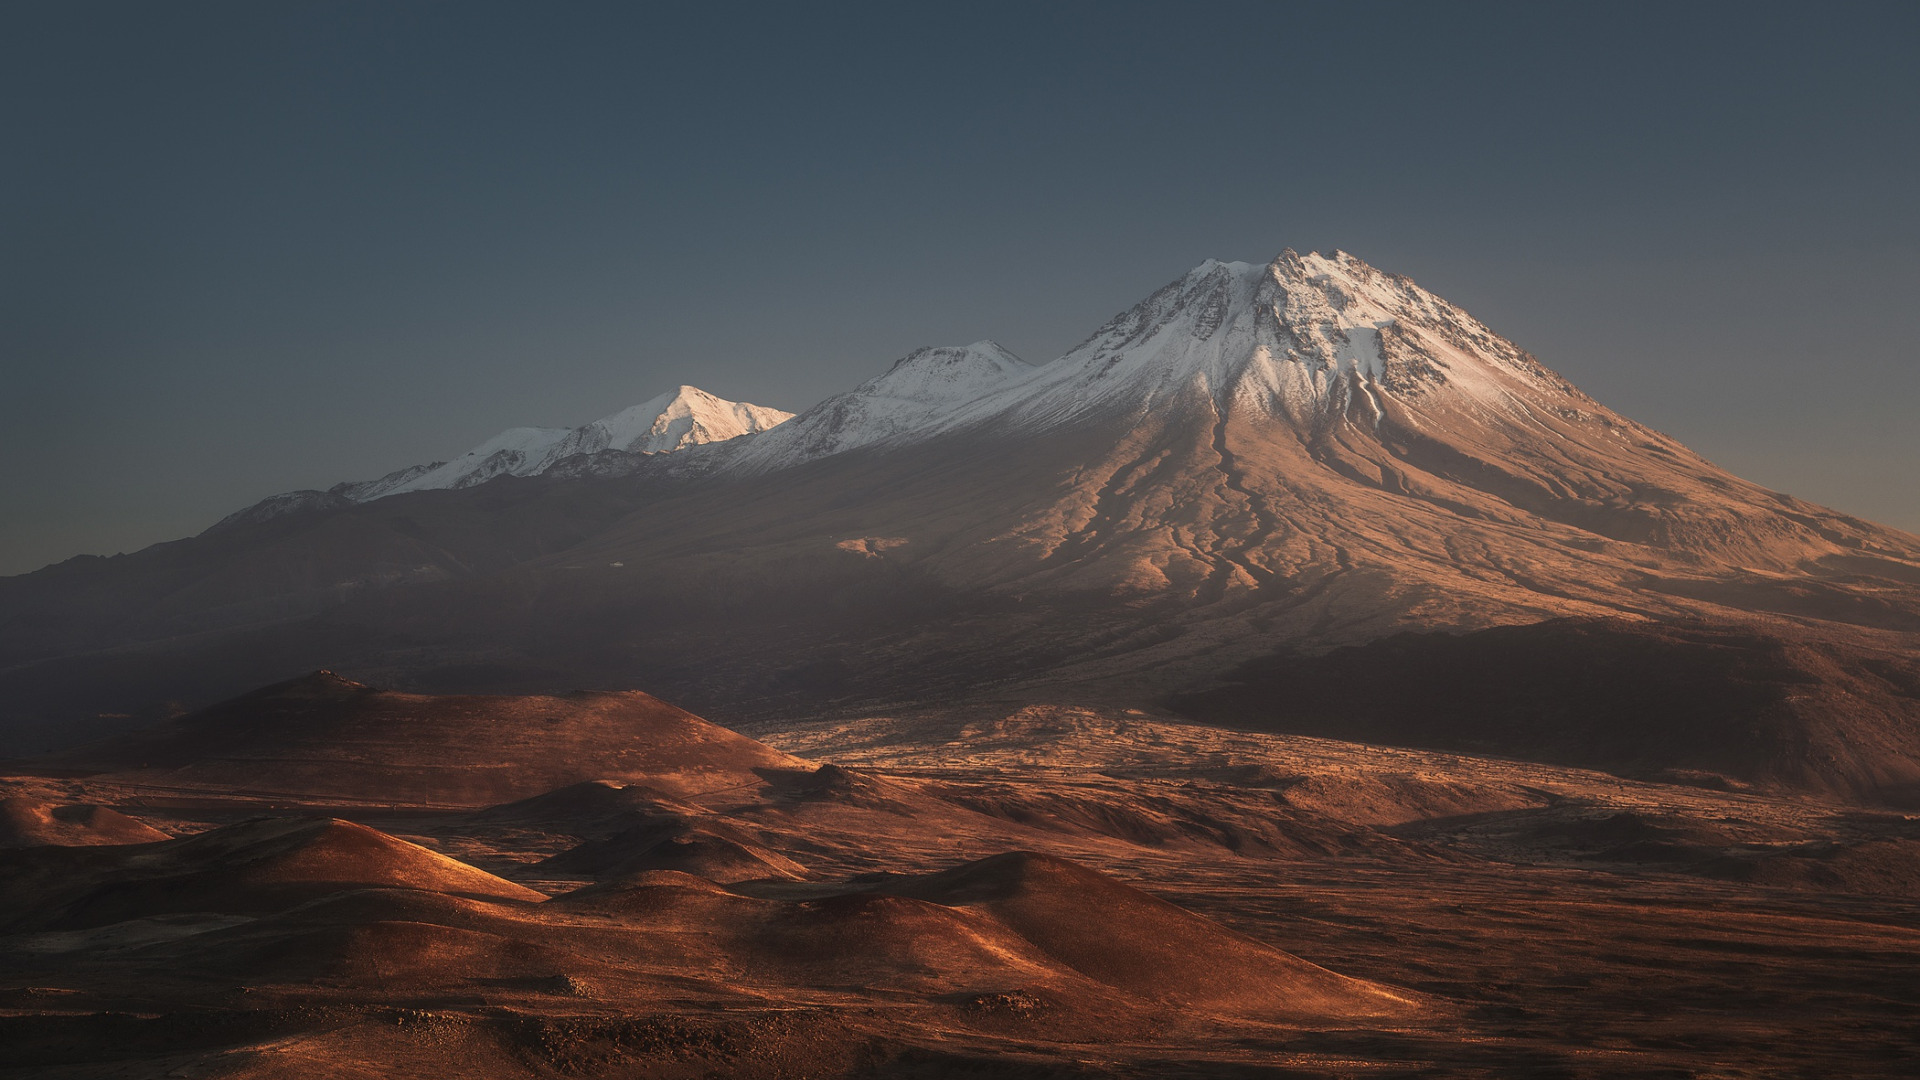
{"x":1305,"y":336}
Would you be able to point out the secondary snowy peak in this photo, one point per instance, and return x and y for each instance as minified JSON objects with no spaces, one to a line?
{"x":921,"y":393}
{"x":688,"y":416}
{"x":946,"y":375}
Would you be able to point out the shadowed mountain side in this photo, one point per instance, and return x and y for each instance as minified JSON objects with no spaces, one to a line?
{"x":715,"y":850}
{"x":1871,"y":853}
{"x":1677,"y":701}
{"x":853,"y":940}
{"x":27,"y":822}
{"x":259,"y":573}
{"x":323,"y":735}
{"x":591,"y":809}
{"x":716,"y":858}
{"x":255,"y":867}
{"x":1890,"y":867}
{"x":386,"y":938}
{"x":933,"y":569}
{"x":744,"y":599}
{"x":389,"y":954}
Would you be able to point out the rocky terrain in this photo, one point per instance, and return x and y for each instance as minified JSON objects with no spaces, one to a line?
{"x":1047,"y":891}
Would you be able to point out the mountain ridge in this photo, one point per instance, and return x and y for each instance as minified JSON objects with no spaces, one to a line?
{"x":676,"y":420}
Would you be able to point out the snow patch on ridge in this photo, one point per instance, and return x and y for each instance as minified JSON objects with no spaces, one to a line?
{"x":921,"y":393}
{"x":513,"y":452}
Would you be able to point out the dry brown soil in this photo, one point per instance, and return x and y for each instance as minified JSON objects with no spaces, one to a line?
{"x":1044,"y":892}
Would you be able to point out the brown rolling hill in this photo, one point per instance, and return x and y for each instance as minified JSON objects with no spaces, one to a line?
{"x":1125,"y":938}
{"x":591,"y":809}
{"x":326,"y":736}
{"x":715,"y":851}
{"x":30,"y":822}
{"x":264,"y":865}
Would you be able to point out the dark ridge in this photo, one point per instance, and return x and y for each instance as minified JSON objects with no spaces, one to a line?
{"x":1683,"y":702}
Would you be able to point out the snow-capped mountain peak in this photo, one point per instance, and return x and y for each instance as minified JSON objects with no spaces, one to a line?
{"x":688,"y":416}
{"x":1301,"y":336}
{"x":684,"y":417}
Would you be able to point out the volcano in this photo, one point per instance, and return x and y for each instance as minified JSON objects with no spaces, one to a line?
{"x":1258,"y":458}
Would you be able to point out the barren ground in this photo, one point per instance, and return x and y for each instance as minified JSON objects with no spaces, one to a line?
{"x":1493,"y":918}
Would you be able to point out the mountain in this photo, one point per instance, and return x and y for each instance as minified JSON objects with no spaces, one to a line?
{"x":1257,"y":459}
{"x":688,"y":416}
{"x":1270,"y":403}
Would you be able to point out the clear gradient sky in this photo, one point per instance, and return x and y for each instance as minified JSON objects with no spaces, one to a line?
{"x":252,"y":247}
